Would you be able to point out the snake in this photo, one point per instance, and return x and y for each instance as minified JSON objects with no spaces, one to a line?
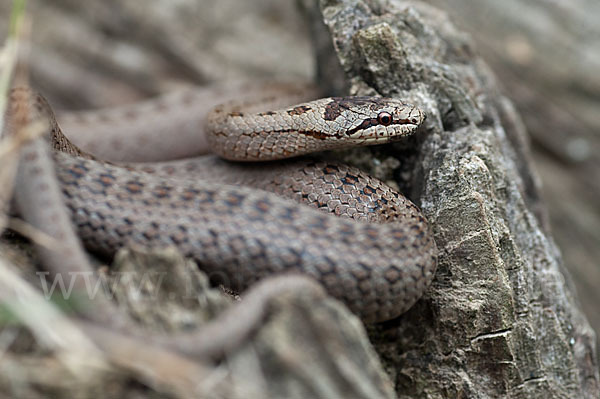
{"x":248,"y":212}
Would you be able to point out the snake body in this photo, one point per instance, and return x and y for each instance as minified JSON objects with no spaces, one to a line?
{"x":378,"y":258}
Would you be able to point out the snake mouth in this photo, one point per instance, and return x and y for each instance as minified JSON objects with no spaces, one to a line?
{"x":381,"y":134}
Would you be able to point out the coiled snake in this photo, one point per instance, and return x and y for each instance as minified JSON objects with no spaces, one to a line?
{"x":378,"y":257}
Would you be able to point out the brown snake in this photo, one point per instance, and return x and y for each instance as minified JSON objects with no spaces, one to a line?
{"x":378,"y":258}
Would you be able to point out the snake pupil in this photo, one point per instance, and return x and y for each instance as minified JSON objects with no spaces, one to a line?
{"x":384,"y":118}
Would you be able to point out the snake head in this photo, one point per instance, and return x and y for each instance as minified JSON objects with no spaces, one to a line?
{"x":373,"y":120}
{"x":323,"y":124}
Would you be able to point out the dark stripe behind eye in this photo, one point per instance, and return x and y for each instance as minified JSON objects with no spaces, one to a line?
{"x":367,"y":123}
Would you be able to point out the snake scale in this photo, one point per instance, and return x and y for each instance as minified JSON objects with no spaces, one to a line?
{"x":371,"y":248}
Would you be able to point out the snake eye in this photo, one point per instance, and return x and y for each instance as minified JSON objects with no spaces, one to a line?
{"x":384,"y":118}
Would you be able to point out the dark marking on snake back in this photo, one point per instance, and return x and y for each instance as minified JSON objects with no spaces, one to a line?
{"x":368,"y":190}
{"x":189,"y":194}
{"x":234,"y":199}
{"x":299,"y":110}
{"x":262,"y":206}
{"x":179,"y":237}
{"x":134,"y":187}
{"x":340,"y":104}
{"x":330,"y":169}
{"x":78,"y":170}
{"x":106,"y":179}
{"x":162,"y":191}
{"x":349,"y":180}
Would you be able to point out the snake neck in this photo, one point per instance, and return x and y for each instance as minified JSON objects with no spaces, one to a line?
{"x":26,"y":108}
